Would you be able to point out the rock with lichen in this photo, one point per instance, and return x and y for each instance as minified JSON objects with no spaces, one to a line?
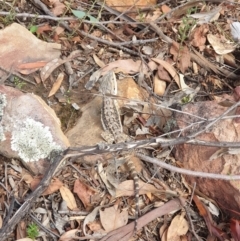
{"x":29,"y":129}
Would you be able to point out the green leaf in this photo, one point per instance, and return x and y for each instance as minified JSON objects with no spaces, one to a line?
{"x":92,"y":19}
{"x":81,"y":14}
{"x":33,"y":29}
{"x":78,"y":14}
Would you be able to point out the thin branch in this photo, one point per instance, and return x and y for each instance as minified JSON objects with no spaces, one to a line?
{"x":116,"y":44}
{"x":234,"y":106}
{"x":186,"y":171}
{"x":10,"y":72}
{"x":58,"y":19}
{"x":109,"y":43}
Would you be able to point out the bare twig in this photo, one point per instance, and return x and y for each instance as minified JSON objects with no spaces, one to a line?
{"x":155,"y":141}
{"x":216,"y":120}
{"x":10,"y":72}
{"x":117,"y":45}
{"x":186,"y":171}
{"x":58,"y":19}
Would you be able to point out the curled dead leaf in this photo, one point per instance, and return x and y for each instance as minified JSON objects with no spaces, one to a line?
{"x":219,"y":45}
{"x":111,"y":218}
{"x":84,"y":192}
{"x":177,"y":228}
{"x":159,"y":85}
{"x":68,"y":197}
{"x":56,"y":85}
{"x":171,"y":70}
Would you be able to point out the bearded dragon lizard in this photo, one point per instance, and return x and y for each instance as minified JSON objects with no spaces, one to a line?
{"x":111,"y":122}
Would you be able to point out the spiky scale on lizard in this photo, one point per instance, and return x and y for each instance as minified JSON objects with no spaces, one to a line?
{"x":111,"y":122}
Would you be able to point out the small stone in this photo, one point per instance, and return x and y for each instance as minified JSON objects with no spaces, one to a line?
{"x":75,"y":106}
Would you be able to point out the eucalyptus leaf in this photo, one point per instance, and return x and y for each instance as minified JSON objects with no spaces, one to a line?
{"x":81,"y":14}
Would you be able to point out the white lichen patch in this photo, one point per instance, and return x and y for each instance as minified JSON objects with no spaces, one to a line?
{"x":32,"y":140}
{"x":3,"y":103}
{"x":2,"y":136}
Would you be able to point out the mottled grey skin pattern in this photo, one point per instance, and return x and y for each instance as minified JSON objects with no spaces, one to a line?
{"x":111,"y":122}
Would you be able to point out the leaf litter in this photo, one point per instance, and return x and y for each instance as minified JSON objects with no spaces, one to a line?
{"x":187,"y":69}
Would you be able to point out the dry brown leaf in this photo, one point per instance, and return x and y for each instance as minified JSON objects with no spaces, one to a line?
{"x":52,"y":65}
{"x":99,"y":62}
{"x":235,"y":229}
{"x":170,"y":70}
{"x":76,"y":39}
{"x":21,"y":230}
{"x":68,"y":198}
{"x":95,"y":226}
{"x":126,"y":188}
{"x":181,"y":55}
{"x":230,"y":59}
{"x":150,"y":17}
{"x":163,"y":74}
{"x":177,"y":228}
{"x":165,"y":8}
{"x":111,"y":218}
{"x":18,"y":46}
{"x":24,"y":239}
{"x":34,"y":183}
{"x":199,"y":36}
{"x":44,"y":28}
{"x":37,"y":78}
{"x":58,"y":30}
{"x":69,"y":235}
{"x":90,"y":218}
{"x":163,"y":232}
{"x":207,"y":17}
{"x":58,"y":7}
{"x":152,"y":65}
{"x":56,"y":85}
{"x":84,"y":192}
{"x":215,"y":81}
{"x":49,"y":67}
{"x":123,"y":5}
{"x":54,"y":186}
{"x":159,"y":85}
{"x":184,"y":238}
{"x":32,"y":65}
{"x":26,"y":176}
{"x":219,"y":45}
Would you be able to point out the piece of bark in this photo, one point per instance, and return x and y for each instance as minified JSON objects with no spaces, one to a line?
{"x":199,"y":158}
